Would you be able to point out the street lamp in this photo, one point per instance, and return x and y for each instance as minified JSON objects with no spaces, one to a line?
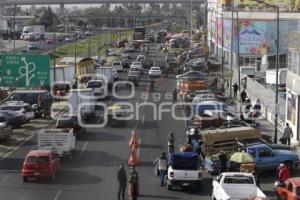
{"x":277,"y":68}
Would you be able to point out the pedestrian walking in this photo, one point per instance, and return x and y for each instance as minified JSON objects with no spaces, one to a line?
{"x":243,"y":96}
{"x":287,"y":134}
{"x":235,"y":89}
{"x":122,"y":180}
{"x":223,"y":160}
{"x":174,"y":96}
{"x":162,"y":167}
{"x":171,"y":142}
{"x":283,"y":173}
{"x":134,"y":184}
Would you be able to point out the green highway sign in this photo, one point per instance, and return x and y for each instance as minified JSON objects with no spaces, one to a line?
{"x":25,"y":70}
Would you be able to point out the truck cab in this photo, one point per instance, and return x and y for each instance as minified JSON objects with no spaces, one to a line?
{"x":267,"y":158}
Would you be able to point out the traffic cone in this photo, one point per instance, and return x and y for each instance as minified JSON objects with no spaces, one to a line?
{"x":133,"y":160}
{"x":133,"y":140}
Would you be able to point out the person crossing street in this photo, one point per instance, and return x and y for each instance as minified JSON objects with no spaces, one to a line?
{"x":162,"y":167}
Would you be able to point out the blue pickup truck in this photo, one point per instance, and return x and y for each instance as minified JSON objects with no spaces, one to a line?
{"x":265,"y":156}
{"x":268,"y":158}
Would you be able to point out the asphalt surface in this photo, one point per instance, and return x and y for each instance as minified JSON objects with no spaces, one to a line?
{"x":91,"y":174}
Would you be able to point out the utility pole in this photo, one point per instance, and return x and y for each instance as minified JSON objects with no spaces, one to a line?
{"x":222,"y":53}
{"x":14,"y":28}
{"x":231,"y":53}
{"x":75,"y":51}
{"x":54,"y":49}
{"x":277,"y":68}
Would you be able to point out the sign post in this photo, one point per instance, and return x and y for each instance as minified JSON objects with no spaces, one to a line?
{"x":25,"y":70}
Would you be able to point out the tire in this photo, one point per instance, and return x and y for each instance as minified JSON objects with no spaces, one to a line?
{"x":169,"y":187}
{"x":25,"y":179}
{"x":213,"y":198}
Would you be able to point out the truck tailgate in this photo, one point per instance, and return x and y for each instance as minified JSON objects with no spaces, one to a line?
{"x":240,"y":192}
{"x":188,"y":175}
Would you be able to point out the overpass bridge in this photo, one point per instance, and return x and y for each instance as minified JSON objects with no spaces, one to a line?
{"x":63,"y":2}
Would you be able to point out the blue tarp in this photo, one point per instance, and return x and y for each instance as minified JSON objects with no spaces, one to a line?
{"x":184,"y":160}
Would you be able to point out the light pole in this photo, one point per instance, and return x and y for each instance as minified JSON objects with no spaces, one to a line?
{"x":222,"y":53}
{"x":277,"y":68}
{"x":14,"y":34}
{"x":54,"y":49}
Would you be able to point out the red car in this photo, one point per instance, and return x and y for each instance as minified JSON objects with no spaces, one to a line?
{"x":290,"y":190}
{"x":49,"y":41}
{"x":40,"y":164}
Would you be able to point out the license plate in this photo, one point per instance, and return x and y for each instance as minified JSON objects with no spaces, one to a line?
{"x":36,"y":173}
{"x":185,"y":184}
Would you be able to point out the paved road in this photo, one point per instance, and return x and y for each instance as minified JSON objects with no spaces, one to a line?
{"x":92,"y":172}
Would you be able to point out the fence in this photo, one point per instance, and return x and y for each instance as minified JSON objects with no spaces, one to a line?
{"x":256,"y":90}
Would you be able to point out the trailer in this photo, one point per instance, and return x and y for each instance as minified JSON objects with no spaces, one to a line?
{"x":61,"y":141}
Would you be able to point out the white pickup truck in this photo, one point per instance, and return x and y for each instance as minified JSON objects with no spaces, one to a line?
{"x":236,"y":186}
{"x":61,"y":141}
{"x":184,"y":170}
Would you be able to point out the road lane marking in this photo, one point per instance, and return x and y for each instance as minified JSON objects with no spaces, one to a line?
{"x":83,"y":148}
{"x":57,"y":194}
{"x":138,"y":149}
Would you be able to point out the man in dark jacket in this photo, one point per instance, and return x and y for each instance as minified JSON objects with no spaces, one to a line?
{"x":223,"y":161}
{"x":134,"y":182}
{"x":122,"y":179}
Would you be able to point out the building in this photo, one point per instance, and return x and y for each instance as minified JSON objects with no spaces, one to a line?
{"x":257,"y":31}
{"x":6,"y":25}
{"x":293,"y":85}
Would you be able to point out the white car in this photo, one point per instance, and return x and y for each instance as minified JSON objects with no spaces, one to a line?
{"x":115,"y":74}
{"x":19,"y":106}
{"x":141,"y":57}
{"x":117,"y":65}
{"x":155,"y":71}
{"x":98,"y":87}
{"x":134,"y":71}
{"x":138,"y":65}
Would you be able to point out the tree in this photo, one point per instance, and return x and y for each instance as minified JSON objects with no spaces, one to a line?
{"x":48,"y":18}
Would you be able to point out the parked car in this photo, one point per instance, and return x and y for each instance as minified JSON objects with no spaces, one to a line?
{"x":69,"y":39}
{"x":19,"y":106}
{"x":70,"y":122}
{"x":32,"y":46}
{"x":13,"y":118}
{"x":290,"y":190}
{"x":40,"y":164}
{"x":134,"y":79}
{"x":155,"y":71}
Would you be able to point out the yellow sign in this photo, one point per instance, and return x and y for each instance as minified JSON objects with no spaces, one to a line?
{"x":114,"y":37}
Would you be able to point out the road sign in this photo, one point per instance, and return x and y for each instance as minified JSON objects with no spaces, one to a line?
{"x":25,"y":70}
{"x":114,"y":37}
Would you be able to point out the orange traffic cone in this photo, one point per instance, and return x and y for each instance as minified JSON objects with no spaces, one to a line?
{"x":133,"y":143}
{"x":133,"y":161}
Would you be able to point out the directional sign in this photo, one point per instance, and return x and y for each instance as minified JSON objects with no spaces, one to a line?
{"x":25,"y":70}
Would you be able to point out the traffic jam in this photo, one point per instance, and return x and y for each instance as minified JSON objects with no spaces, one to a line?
{"x":220,"y":142}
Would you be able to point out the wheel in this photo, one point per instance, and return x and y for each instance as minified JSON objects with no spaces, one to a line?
{"x":213,"y":198}
{"x":169,"y":186}
{"x":25,"y":179}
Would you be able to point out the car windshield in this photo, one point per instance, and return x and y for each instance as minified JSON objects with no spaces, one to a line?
{"x":155,"y":68}
{"x":66,"y":123}
{"x":94,"y":84}
{"x":37,"y":160}
{"x":238,"y":180}
{"x":131,"y":78}
{"x":2,"y":119}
